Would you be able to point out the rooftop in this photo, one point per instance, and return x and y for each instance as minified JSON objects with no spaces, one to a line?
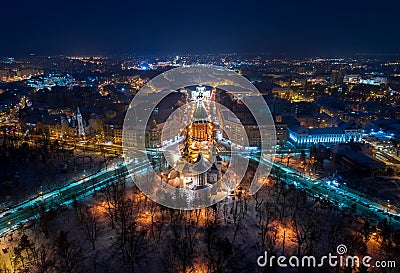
{"x":200,"y":113}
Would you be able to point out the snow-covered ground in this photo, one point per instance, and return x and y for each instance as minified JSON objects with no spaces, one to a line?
{"x":228,"y":237}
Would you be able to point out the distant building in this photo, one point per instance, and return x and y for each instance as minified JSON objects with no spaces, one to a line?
{"x":331,"y":106}
{"x":305,"y":108}
{"x":153,"y":135}
{"x":18,"y":74}
{"x":253,"y":134}
{"x":278,"y":106}
{"x":352,"y":79}
{"x":376,"y":81}
{"x":351,"y":158}
{"x":283,"y":92}
{"x":314,"y":121}
{"x":337,"y":77}
{"x":231,"y":123}
{"x":281,"y":134}
{"x":49,"y":81}
{"x":113,"y":130}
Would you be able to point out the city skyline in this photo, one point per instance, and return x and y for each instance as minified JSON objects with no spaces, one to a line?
{"x":334,"y":161}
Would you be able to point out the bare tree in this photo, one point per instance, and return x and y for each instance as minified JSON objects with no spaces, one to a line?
{"x":181,"y":248}
{"x":112,"y":196}
{"x":68,"y":254}
{"x":44,"y":259}
{"x":125,"y":216}
{"x":90,"y":225}
{"x":134,"y":247}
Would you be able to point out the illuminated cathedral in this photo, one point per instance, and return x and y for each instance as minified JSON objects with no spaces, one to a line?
{"x":199,"y":146}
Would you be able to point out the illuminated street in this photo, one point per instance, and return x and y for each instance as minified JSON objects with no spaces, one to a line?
{"x":55,"y":199}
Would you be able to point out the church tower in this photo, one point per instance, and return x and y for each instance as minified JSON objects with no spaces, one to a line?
{"x":201,"y":178}
{"x":200,"y":123}
{"x":81,"y":129}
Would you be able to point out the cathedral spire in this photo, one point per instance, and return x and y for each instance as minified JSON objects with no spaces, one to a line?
{"x":81,"y":129}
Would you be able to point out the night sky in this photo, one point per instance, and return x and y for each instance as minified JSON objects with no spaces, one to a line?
{"x":291,"y":27}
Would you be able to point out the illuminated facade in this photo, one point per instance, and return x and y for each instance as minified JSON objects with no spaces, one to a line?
{"x":81,"y":129}
{"x":200,"y":132}
{"x":201,"y":129}
{"x":301,"y":136}
{"x":200,"y":145}
{"x":200,"y":92}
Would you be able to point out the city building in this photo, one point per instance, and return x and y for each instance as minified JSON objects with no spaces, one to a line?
{"x":200,"y":146}
{"x":301,"y":136}
{"x":377,"y":81}
{"x":351,"y":159}
{"x":199,"y":135}
{"x":337,"y":76}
